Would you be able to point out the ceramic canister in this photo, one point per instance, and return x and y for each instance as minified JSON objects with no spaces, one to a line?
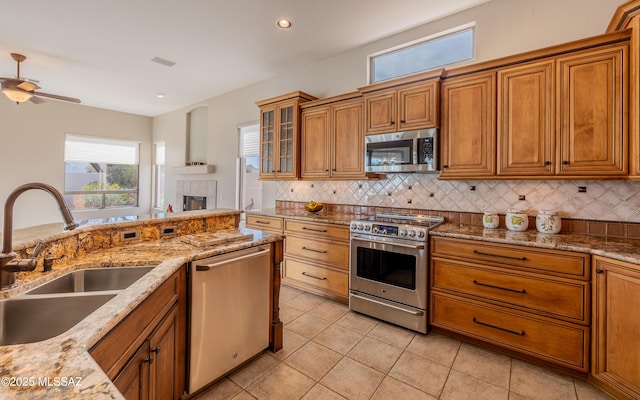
{"x":548,"y":221}
{"x":490,"y":220}
{"x":517,"y":220}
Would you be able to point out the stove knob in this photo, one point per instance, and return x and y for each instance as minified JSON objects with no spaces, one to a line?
{"x":421,"y":234}
{"x":360,"y":227}
{"x":412,"y":233}
{"x":367,"y":228}
{"x":403,"y":233}
{"x":354,"y":226}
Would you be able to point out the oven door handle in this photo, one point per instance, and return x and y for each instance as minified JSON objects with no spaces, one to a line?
{"x":414,"y":247}
{"x":412,"y":312}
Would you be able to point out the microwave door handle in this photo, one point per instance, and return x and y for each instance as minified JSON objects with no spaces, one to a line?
{"x":414,"y":154}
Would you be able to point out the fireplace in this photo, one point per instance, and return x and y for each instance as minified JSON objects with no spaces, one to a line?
{"x":194,"y":203}
{"x":195,"y":195}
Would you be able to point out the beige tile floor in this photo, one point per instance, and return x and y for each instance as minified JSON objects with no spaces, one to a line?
{"x":332,"y":353}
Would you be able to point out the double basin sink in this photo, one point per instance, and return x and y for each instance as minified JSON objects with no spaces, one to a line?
{"x":54,"y":307}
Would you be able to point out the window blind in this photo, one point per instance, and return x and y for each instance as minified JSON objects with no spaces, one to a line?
{"x":250,"y":141}
{"x":99,"y":150}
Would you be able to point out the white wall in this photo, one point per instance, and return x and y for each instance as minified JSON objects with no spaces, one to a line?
{"x":32,"y":150}
{"x":503,"y":27}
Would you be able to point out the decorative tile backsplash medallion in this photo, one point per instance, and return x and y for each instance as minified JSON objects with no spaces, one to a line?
{"x":603,"y":200}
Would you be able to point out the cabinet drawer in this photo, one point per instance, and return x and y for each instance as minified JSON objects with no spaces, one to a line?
{"x":552,"y":297}
{"x":555,"y":262}
{"x":326,"y":252}
{"x":326,"y":279}
{"x":272,"y":224}
{"x":329,"y":231}
{"x":564,"y":344}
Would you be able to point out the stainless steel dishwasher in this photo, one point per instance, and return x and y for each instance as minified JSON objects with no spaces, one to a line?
{"x":229,"y":320}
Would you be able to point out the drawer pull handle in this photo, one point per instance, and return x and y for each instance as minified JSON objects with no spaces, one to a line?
{"x":521,"y":333}
{"x":480,"y":253}
{"x":263,"y":222}
{"x":314,"y":230}
{"x":314,"y":277}
{"x":314,"y":250}
{"x":475,"y":282}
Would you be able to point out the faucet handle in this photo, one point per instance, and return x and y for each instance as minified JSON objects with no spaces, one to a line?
{"x":48,"y":262}
{"x":37,"y":250}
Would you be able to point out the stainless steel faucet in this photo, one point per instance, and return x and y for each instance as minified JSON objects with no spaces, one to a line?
{"x":9,"y":266}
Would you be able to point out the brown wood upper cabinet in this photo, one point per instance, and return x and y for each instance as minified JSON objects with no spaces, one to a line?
{"x":280,"y":135}
{"x":564,"y":116}
{"x":559,"y":112}
{"x":526,"y":139}
{"x":402,"y":104}
{"x":468,"y":126}
{"x":332,"y":138}
{"x":592,"y":107}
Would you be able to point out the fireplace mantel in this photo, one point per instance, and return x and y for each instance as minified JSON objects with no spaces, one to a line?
{"x":194,"y":169}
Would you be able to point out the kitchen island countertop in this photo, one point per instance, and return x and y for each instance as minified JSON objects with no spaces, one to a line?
{"x":61,"y":367}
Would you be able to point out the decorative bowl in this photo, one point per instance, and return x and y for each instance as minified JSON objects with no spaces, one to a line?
{"x":313,"y":207}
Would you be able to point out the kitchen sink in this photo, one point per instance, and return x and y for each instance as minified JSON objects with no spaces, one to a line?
{"x":93,"y":280}
{"x":27,"y":320}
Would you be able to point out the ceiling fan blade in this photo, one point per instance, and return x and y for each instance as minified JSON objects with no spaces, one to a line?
{"x":11,"y":81}
{"x":57,"y":97}
{"x":37,"y":100}
{"x":28,"y":86}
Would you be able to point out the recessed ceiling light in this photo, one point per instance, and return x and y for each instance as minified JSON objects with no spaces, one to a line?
{"x":160,"y":95}
{"x":284,"y":23}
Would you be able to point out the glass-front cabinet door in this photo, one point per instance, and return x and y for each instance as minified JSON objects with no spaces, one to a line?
{"x":287,"y":141}
{"x":280,"y":136}
{"x":267,"y":141}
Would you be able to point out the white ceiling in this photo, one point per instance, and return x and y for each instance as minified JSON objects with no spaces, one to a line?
{"x":100,"y":51}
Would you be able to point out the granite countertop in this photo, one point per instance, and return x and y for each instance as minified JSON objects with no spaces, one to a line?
{"x":322,"y":216}
{"x":66,"y":356}
{"x":615,"y":248}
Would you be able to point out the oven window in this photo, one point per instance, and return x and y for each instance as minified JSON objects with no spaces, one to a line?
{"x":384,"y":266}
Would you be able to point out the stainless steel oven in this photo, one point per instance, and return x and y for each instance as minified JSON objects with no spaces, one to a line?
{"x":388,"y":264}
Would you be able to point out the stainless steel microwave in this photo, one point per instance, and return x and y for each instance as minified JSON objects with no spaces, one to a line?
{"x":411,"y":151}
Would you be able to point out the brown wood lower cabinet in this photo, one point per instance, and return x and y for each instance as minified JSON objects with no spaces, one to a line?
{"x":616,"y":330}
{"x":144,"y":355}
{"x":531,"y":301}
{"x":548,"y":339}
{"x":265,"y":223}
{"x":316,"y":258}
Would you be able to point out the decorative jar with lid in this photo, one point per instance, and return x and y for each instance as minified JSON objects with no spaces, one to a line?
{"x":490,"y":220}
{"x":548,"y":221}
{"x":516,"y":220}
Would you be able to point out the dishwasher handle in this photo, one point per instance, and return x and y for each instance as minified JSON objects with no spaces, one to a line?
{"x":207,"y":267}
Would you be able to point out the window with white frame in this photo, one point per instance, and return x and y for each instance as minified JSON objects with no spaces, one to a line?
{"x":100,"y":173}
{"x":158,"y":174}
{"x":250,"y":187}
{"x":444,"y":48}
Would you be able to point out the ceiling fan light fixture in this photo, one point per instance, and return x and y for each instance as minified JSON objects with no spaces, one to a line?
{"x":16,"y":95}
{"x":284,"y":23}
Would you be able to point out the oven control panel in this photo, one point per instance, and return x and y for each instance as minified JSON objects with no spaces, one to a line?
{"x":409,"y":232}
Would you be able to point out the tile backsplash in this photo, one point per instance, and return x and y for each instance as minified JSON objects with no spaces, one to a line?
{"x":601,"y":200}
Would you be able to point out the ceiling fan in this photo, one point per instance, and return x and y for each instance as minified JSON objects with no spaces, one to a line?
{"x":20,"y":90}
